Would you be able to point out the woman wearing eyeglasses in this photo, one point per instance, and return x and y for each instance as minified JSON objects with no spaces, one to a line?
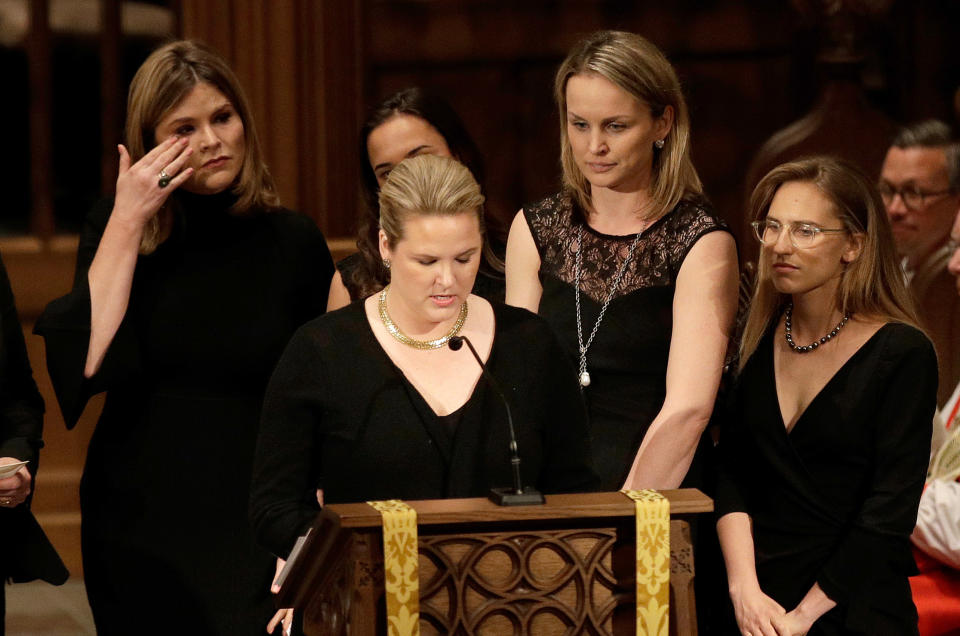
{"x":824,"y":459}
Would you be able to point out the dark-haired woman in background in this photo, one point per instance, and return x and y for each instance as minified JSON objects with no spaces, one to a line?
{"x":188,"y":286}
{"x":409,"y":123}
{"x":826,"y":450}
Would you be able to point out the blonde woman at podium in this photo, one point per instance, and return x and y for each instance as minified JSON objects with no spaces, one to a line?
{"x":824,"y":459}
{"x":369,"y":402}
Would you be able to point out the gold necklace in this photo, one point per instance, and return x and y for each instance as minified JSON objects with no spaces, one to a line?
{"x":394,"y":330}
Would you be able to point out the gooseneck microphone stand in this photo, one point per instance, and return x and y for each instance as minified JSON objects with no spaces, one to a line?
{"x":518,"y":495}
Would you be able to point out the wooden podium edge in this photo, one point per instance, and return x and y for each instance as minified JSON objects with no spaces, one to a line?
{"x":478,"y":510}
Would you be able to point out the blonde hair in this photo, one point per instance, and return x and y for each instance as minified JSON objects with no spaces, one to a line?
{"x":872,"y":285}
{"x":638,"y":67}
{"x":427,"y":184}
{"x":162,"y":81}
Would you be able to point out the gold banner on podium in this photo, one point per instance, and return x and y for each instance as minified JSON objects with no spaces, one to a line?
{"x":401,"y":566}
{"x":653,"y":562}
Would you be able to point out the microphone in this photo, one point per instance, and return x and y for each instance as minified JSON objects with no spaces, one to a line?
{"x":518,"y":495}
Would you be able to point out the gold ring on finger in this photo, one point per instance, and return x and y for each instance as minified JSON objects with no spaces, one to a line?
{"x":164,"y":179}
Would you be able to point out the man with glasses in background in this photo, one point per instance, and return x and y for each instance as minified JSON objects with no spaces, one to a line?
{"x":920,"y":186}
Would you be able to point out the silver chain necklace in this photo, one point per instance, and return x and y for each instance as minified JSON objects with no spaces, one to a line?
{"x":584,"y":374}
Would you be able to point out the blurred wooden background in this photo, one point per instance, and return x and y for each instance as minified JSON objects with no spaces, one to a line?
{"x":830,"y":76}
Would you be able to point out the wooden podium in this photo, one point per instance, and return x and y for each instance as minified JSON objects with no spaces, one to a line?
{"x":567,"y":567}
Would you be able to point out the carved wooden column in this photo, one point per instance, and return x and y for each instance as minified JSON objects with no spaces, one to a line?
{"x":842,"y":122}
{"x":39,"y":54}
{"x":300,"y":63}
{"x":112,"y":109}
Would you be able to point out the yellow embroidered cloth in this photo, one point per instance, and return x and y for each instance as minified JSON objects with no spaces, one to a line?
{"x":401,"y":566}
{"x":653,"y":561}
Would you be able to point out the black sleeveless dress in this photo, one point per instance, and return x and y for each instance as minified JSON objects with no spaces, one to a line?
{"x":627,"y":361}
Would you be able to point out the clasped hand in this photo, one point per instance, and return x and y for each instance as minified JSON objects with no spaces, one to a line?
{"x":760,"y":615}
{"x":14,"y":489}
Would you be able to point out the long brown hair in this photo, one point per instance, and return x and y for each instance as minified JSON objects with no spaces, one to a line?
{"x":162,"y":81}
{"x":872,"y":285}
{"x":638,"y":67}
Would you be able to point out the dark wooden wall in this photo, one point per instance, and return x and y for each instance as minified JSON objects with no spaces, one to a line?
{"x":748,"y":68}
{"x":496,"y":62}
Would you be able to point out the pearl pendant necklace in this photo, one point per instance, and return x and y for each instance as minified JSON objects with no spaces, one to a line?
{"x":584,"y":374}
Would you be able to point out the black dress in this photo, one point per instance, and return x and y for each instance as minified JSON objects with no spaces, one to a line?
{"x":25,"y":552}
{"x":339,"y":415}
{"x":166,"y":542}
{"x":628,"y":359}
{"x":834,"y":500}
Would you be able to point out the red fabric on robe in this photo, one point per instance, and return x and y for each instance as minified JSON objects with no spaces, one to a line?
{"x":936,"y":593}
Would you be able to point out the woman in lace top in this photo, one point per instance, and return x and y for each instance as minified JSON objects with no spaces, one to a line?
{"x":628,"y":263}
{"x":409,"y":123}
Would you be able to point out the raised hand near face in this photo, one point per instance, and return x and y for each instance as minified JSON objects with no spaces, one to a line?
{"x":143,"y":188}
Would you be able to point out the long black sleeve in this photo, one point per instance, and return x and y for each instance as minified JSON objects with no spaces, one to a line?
{"x":876,"y":545}
{"x":65,"y":326}
{"x":21,"y":406}
{"x":282,"y":491}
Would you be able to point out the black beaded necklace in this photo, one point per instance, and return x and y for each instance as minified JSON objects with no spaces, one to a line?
{"x":788,"y":331}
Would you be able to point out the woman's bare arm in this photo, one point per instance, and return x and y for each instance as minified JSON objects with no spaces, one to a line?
{"x":522,"y":267}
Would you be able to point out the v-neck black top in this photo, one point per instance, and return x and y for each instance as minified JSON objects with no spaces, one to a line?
{"x":833,"y":501}
{"x":341,"y":416}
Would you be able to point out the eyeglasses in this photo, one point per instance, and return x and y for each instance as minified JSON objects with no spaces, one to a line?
{"x":802,"y":235}
{"x":914,"y":199}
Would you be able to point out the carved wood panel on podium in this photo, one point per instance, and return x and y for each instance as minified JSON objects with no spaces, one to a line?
{"x":565,"y":568}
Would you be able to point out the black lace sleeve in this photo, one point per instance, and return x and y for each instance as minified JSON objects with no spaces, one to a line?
{"x":349,"y":268}
{"x":551,"y":224}
{"x":683,"y":227}
{"x":656,"y":260}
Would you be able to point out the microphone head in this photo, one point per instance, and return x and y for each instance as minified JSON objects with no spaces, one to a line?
{"x":455,"y":343}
